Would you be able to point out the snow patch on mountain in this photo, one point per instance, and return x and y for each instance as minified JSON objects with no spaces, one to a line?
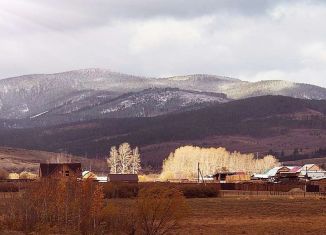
{"x":105,"y":93}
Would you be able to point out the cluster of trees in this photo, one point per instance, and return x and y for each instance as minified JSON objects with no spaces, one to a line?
{"x":183,"y":163}
{"x":55,"y":206}
{"x":4,"y":174}
{"x":124,"y":160}
{"x":70,"y":207}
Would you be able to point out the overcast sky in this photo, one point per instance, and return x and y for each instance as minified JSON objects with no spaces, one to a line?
{"x":247,"y":39}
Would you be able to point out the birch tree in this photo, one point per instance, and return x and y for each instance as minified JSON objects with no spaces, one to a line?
{"x":124,"y":160}
{"x":135,"y":161}
{"x":113,"y":160}
{"x":125,"y":155}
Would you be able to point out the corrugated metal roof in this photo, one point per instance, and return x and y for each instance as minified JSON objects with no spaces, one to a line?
{"x":294,"y":169}
{"x":260,"y":176}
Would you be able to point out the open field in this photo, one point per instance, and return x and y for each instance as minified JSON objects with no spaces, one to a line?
{"x":244,"y":215}
{"x":247,"y":214}
{"x":255,"y":216}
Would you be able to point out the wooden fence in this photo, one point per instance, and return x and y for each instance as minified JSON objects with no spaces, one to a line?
{"x":275,"y":194}
{"x":269,"y":187}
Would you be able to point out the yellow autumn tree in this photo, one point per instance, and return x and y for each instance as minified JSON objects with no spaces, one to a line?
{"x":183,"y":163}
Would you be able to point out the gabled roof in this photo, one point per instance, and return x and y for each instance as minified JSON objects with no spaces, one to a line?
{"x":275,"y":170}
{"x":47,"y":169}
{"x":307,"y":167}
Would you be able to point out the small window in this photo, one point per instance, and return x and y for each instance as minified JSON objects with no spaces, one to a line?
{"x":67,"y":173}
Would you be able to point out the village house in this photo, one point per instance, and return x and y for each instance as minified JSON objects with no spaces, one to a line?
{"x":60,"y":170}
{"x":272,"y":174}
{"x":231,"y":177}
{"x":292,"y":173}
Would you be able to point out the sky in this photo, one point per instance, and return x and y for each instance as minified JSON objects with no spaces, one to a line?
{"x":248,"y":39}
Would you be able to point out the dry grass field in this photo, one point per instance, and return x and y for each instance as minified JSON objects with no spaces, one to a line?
{"x":17,"y":160}
{"x":250,"y":215}
{"x":255,"y":216}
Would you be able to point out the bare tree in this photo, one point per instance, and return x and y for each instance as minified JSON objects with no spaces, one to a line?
{"x":124,"y":160}
{"x":113,"y":160}
{"x":125,"y":154}
{"x":135,"y":161}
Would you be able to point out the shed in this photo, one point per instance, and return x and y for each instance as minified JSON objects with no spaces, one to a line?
{"x":321,"y":183}
{"x":129,"y":178}
{"x":60,"y":170}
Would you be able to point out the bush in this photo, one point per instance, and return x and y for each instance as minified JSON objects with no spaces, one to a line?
{"x":199,"y":190}
{"x":27,"y":175}
{"x":8,"y":187}
{"x":130,"y":190}
{"x":13,"y":176}
{"x":120,"y":190}
{"x":157,"y":210}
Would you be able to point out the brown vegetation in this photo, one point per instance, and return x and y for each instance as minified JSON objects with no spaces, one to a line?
{"x":70,"y":207}
{"x":3,"y":174}
{"x":131,"y":190}
{"x":57,"y":206}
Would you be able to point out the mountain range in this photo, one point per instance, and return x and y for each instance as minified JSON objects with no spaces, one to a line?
{"x":80,"y":95}
{"x":261,"y":124}
{"x":84,"y":112}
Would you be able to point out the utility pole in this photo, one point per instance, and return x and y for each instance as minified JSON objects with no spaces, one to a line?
{"x":198,"y":170}
{"x":199,"y":173}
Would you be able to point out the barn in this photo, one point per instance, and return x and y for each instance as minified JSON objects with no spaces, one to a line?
{"x":60,"y":170}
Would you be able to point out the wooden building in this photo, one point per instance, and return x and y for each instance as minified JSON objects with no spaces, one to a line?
{"x":321,"y":183}
{"x":128,"y":178}
{"x":60,"y":170}
{"x":231,"y":177}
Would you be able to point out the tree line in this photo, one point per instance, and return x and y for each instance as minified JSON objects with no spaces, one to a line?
{"x":184,"y":161}
{"x":70,"y":207}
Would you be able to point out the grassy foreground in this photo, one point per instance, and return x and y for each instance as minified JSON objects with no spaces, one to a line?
{"x":255,"y":216}
{"x":245,"y":215}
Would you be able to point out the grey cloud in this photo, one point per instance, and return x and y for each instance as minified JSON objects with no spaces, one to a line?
{"x":76,"y":14}
{"x":250,"y":39}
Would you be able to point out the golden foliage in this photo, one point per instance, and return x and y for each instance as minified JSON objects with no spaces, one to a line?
{"x":27,"y":175}
{"x":56,"y":205}
{"x":13,"y":176}
{"x":183,"y":162}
